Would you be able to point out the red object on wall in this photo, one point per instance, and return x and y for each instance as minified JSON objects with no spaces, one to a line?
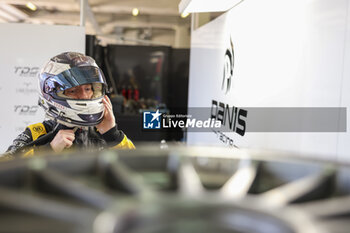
{"x":136,"y":94}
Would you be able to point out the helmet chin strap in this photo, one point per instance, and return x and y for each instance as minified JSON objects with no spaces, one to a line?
{"x":74,"y":126}
{"x":84,"y":128}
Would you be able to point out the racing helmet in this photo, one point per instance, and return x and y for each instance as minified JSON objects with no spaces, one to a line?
{"x":64,"y":71}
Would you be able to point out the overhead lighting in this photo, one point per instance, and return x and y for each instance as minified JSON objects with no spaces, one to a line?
{"x":13,"y":11}
{"x":31,"y":6}
{"x":184,"y":15}
{"x":8,"y":17}
{"x":135,"y":12}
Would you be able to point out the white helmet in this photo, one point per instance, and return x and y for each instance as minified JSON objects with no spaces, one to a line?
{"x":69,"y":70}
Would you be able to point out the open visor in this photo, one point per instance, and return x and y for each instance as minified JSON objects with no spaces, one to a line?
{"x":74,"y":77}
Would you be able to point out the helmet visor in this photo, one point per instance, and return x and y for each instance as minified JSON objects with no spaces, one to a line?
{"x":74,"y":77}
{"x":78,"y":76}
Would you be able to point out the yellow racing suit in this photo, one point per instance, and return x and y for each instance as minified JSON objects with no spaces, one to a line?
{"x":87,"y":137}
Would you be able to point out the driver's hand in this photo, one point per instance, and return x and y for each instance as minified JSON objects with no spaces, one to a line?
{"x":63,"y":139}
{"x":108,"y":121}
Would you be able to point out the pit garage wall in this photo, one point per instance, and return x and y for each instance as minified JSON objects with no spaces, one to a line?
{"x":287,"y":53}
{"x":24,"y":50}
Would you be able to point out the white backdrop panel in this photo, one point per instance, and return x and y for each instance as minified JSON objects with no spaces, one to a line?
{"x":24,"y":49}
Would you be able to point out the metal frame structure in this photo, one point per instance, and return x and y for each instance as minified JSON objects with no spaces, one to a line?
{"x":179,"y":189}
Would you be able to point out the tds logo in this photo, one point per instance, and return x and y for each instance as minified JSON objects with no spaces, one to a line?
{"x":26,"y":109}
{"x":151,"y":120}
{"x":26,"y":71}
{"x":228,"y":69}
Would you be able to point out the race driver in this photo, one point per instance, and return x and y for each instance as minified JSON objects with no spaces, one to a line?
{"x":72,"y":93}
